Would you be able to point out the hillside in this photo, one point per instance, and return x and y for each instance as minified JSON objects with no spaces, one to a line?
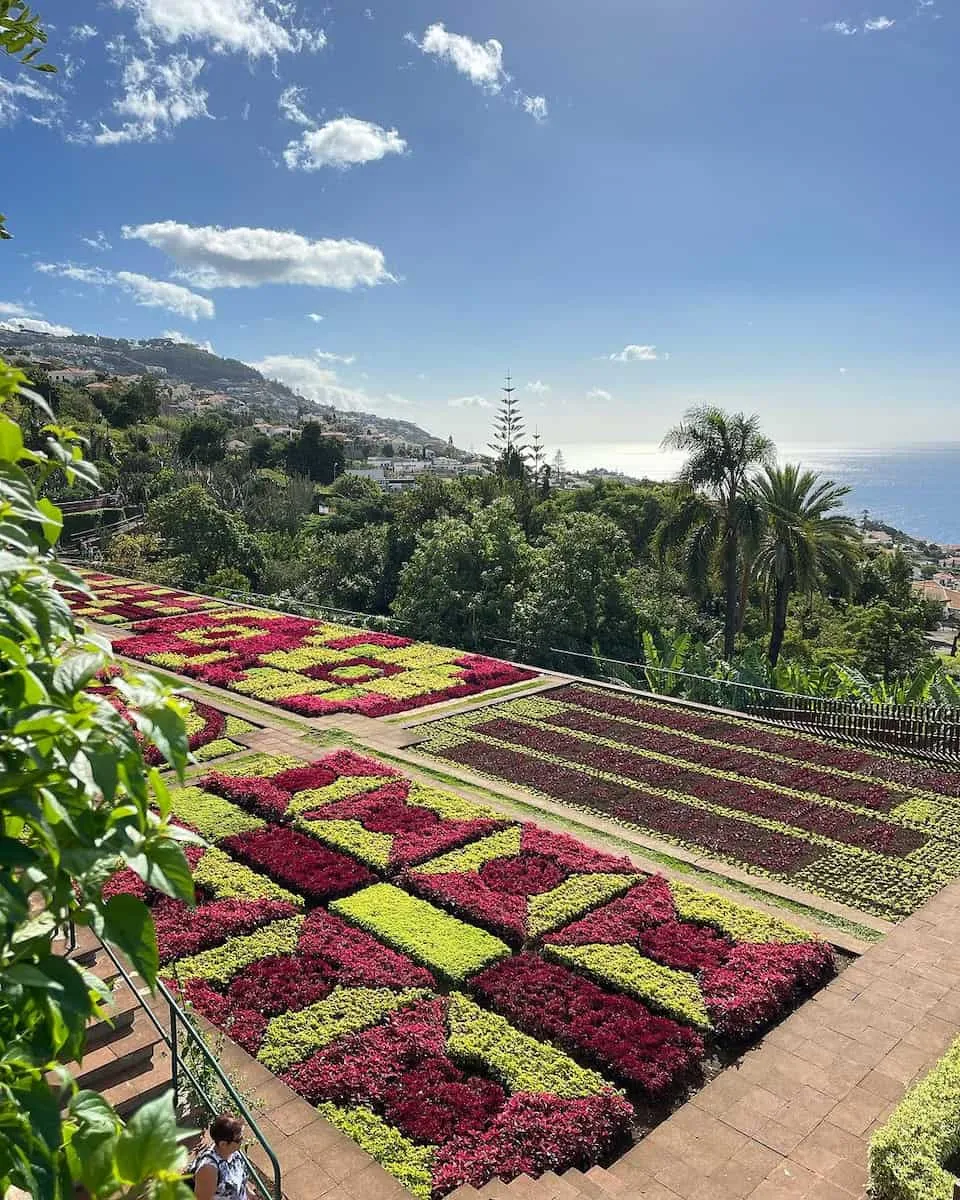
{"x":189,"y":364}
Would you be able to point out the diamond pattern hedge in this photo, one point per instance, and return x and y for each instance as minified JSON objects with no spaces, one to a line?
{"x":314,"y":667}
{"x":118,"y":601}
{"x":465,"y":996}
{"x":877,"y":833}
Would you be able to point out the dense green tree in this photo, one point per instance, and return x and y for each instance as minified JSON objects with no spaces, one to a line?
{"x":203,"y":536}
{"x":578,"y":599}
{"x":465,"y":577}
{"x":131,"y":405}
{"x":349,"y":570}
{"x":805,"y":542}
{"x":310,"y":453}
{"x":203,"y":440}
{"x":721,"y":450}
{"x":889,"y":641}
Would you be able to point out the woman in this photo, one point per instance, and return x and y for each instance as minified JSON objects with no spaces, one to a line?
{"x":220,"y":1171}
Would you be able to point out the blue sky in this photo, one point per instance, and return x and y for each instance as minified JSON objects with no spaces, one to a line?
{"x":633,"y":205}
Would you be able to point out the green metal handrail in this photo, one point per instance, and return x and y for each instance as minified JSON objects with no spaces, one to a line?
{"x":180,"y":1021}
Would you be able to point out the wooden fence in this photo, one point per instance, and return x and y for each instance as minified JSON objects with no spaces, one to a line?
{"x":920,"y":730}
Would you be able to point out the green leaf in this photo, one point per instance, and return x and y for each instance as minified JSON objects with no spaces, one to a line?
{"x":11,"y":440}
{"x":149,"y":1145}
{"x":53,"y":525}
{"x":74,"y":673}
{"x":14,"y":853}
{"x":168,"y":870}
{"x":129,"y":926}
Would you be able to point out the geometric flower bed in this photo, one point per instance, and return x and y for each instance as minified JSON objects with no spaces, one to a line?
{"x":876,"y":833}
{"x":210,"y":732}
{"x":383,"y":993}
{"x":314,"y":667}
{"x":117,"y":601}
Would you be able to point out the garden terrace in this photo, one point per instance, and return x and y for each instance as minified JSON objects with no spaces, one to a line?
{"x":211,"y":733}
{"x":312,"y":668}
{"x":868,"y":830}
{"x":466,"y":996}
{"x":117,"y":601}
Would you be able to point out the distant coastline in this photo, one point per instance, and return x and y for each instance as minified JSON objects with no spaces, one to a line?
{"x":913,"y":488}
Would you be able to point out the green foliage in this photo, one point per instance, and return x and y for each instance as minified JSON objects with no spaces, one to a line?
{"x":736,"y":921}
{"x":411,"y":1164}
{"x":203,"y":440}
{"x":132,"y":405}
{"x":76,"y":802}
{"x":466,"y":576}
{"x":909,"y":1153}
{"x":364,"y":844}
{"x":313,"y":455}
{"x":203,"y":536}
{"x":521,"y":1063}
{"x":228,"y":879}
{"x":572,"y":899}
{"x":220,"y":964}
{"x":433,"y":938}
{"x":211,"y":816}
{"x":675,"y":993}
{"x":294,"y":1036}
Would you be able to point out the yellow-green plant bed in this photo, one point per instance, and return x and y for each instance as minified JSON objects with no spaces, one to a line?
{"x":908,"y":1154}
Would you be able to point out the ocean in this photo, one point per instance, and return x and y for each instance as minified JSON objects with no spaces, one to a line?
{"x":914,"y":488}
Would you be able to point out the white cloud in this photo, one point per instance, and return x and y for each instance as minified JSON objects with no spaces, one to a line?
{"x":210,"y":256}
{"x":238,"y":26}
{"x":182,"y":339}
{"x":315,"y":317}
{"x":599,"y":395}
{"x":99,"y":242}
{"x":843,"y":370}
{"x":320,"y":384}
{"x":83,"y":33}
{"x":469,"y":402}
{"x":344,"y":142}
{"x":878,"y":24}
{"x":157,"y":97}
{"x":536,"y":107}
{"x":25,"y":97}
{"x":147,"y":292}
{"x":327,"y":356}
{"x":842,"y":27}
{"x":94,"y":275}
{"x":635,"y":353}
{"x":290,"y":104}
{"x":538,"y":387}
{"x":481,"y":62}
{"x":9,"y":309}
{"x":36,"y":325}
{"x":156,"y":293}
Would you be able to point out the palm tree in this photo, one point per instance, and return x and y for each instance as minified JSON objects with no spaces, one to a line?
{"x":720,"y":512}
{"x":805,"y":541}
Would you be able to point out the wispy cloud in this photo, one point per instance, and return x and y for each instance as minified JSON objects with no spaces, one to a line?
{"x":98,"y":242}
{"x":343,"y":142}
{"x":25,"y":97}
{"x":469,"y":402}
{"x":870,"y":25}
{"x":599,"y":396}
{"x":878,"y":24}
{"x":480,"y":62}
{"x":36,"y":325}
{"x":83,"y":33}
{"x":157,"y":97}
{"x":147,"y":292}
{"x":315,"y":317}
{"x":183,"y":339}
{"x":844,"y":28}
{"x":226,"y":26}
{"x":328,"y":356}
{"x":536,"y":107}
{"x":634,"y":353}
{"x":210,"y":256}
{"x":537,"y":386}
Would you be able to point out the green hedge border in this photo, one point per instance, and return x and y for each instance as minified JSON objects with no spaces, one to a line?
{"x":907,"y":1154}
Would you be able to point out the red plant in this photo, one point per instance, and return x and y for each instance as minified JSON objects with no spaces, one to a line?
{"x":757,"y":982}
{"x":284,"y":983}
{"x":261,"y":796}
{"x":532,"y":1134}
{"x":182,"y":930}
{"x":526,"y":875}
{"x":244,"y":1026}
{"x":548,"y":1001}
{"x":297,"y":861}
{"x":469,"y":895}
{"x":648,"y":904}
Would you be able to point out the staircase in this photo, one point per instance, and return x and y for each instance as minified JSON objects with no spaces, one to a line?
{"x":596,"y":1184}
{"x":125,"y":1059}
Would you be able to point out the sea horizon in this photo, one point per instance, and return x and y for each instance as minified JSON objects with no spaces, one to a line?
{"x":913,"y":487}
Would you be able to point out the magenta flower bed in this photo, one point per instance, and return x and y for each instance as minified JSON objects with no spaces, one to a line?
{"x":120,"y":601}
{"x":617,"y":1034}
{"x":296,"y":662}
{"x":745,"y":985}
{"x":402,"y":1070}
{"x":299,"y":862}
{"x":497,"y":894}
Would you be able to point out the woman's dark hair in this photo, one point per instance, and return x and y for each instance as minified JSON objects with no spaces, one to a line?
{"x":226,"y":1128}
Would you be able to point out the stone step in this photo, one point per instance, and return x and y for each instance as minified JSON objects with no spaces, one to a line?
{"x":603,"y":1179}
{"x":128,"y":1095}
{"x":558,"y":1187}
{"x":121,"y":1011}
{"x":127,"y":1055}
{"x":586,"y":1187}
